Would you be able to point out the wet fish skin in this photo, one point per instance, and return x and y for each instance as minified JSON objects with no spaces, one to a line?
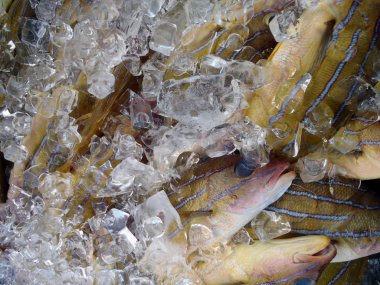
{"x":271,"y":262}
{"x":350,"y":216}
{"x":229,"y":202}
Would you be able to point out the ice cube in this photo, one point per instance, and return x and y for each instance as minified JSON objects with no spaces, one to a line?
{"x":285,"y":25}
{"x":140,"y":111}
{"x":312,"y":167}
{"x":36,"y":34}
{"x":115,"y":220}
{"x":45,"y":10}
{"x":269,"y":225}
{"x":101,"y":84}
{"x":60,"y":32}
{"x":164,"y":38}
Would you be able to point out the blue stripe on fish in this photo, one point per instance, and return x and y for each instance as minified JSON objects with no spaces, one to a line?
{"x":334,"y":183}
{"x":226,"y":192}
{"x":291,"y":277}
{"x":346,"y":20}
{"x":293,"y":93}
{"x":252,"y":38}
{"x":191,"y":198}
{"x":350,"y":132}
{"x":327,"y":199}
{"x":361,"y":72}
{"x":255,"y":36}
{"x":365,"y":120}
{"x":232,"y":189}
{"x":340,"y":273}
{"x":307,"y":215}
{"x":369,"y":143}
{"x":350,"y":53}
{"x":346,"y":234}
{"x":216,"y":37}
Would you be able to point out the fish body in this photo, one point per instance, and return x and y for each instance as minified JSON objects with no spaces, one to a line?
{"x":335,"y":41}
{"x":338,"y":209}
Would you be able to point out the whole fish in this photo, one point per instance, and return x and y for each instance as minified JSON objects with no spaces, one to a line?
{"x":339,"y":209}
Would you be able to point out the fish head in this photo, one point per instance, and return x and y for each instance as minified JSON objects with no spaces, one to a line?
{"x":294,"y":258}
{"x":237,"y":204}
{"x":272,"y":262}
{"x":266,"y":185}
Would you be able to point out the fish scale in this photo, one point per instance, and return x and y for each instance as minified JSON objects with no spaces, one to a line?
{"x":347,"y":215}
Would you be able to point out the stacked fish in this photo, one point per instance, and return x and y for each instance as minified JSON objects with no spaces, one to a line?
{"x":189,"y":142}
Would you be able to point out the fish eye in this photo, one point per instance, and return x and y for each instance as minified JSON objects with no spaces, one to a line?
{"x":243,"y":169}
{"x":303,"y":281}
{"x":268,"y":17}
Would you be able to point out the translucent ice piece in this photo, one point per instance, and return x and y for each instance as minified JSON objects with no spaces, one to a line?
{"x":199,"y":235}
{"x":115,"y":220}
{"x":45,"y":10}
{"x":164,"y":38}
{"x":7,"y":271}
{"x":308,"y":4}
{"x":60,"y":32}
{"x":211,"y":64}
{"x":269,"y":225}
{"x":152,"y":81}
{"x":152,"y":7}
{"x":344,"y":141}
{"x":132,"y":63}
{"x":138,"y":35}
{"x":252,"y":75}
{"x":22,"y":122}
{"x":156,"y":217}
{"x":101,"y":84}
{"x":128,"y":175}
{"x":284,"y":26}
{"x":319,"y":121}
{"x":199,"y":11}
{"x":312,"y":168}
{"x":242,"y":237}
{"x":203,"y":101}
{"x":126,"y":146}
{"x":126,"y":240}
{"x":140,"y":111}
{"x":112,"y":45}
{"x":15,"y":153}
{"x":6,"y":61}
{"x":35,"y":33}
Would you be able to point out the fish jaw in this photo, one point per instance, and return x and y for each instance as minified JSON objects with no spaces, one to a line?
{"x":225,"y":223}
{"x":279,"y":261}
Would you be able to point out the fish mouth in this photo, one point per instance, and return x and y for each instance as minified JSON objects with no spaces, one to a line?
{"x":325,"y":255}
{"x":280,"y":169}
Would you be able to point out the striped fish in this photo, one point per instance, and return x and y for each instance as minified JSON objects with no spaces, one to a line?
{"x":338,"y":209}
{"x":329,"y":54}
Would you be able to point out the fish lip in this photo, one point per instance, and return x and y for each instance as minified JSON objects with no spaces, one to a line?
{"x":280,"y":169}
{"x":326,"y":254}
